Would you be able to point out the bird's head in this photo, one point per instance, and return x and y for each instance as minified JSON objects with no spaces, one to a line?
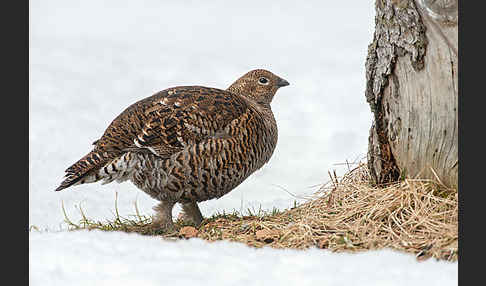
{"x":259,"y":85}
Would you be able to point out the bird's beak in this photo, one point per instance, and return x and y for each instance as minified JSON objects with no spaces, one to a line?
{"x":282,"y":82}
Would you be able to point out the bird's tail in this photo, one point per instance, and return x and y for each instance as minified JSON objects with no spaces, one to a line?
{"x":86,"y":169}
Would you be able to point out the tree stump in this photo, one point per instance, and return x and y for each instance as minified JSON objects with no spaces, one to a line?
{"x":411,"y":86}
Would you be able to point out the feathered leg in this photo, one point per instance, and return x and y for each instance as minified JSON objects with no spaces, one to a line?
{"x":192,"y":213}
{"x":163,"y":217}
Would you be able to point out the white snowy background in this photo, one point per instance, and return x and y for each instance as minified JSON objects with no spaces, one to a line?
{"x":89,"y":60}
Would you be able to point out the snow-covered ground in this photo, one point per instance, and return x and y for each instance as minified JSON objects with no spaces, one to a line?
{"x":99,"y":258}
{"x":90,"y":59}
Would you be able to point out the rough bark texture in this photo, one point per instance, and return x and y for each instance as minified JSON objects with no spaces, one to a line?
{"x":411,"y":73}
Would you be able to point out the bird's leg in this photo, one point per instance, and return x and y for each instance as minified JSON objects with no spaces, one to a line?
{"x":192,"y":213}
{"x":163,"y":217}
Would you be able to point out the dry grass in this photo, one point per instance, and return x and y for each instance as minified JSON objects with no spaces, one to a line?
{"x":347,"y":214}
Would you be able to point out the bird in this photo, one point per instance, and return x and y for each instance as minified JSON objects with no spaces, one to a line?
{"x":186,"y":144}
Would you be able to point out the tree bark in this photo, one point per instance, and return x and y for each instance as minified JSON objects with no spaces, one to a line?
{"x":411,"y":74}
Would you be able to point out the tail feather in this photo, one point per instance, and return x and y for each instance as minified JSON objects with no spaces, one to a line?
{"x":85,"y":170}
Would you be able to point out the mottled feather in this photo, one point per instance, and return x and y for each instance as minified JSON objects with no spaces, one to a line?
{"x":187,"y":143}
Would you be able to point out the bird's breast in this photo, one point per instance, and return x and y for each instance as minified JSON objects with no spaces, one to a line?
{"x":211,"y":168}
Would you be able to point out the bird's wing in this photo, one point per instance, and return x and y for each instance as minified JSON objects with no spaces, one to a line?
{"x":172,"y":119}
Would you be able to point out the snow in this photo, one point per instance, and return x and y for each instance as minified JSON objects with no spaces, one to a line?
{"x":100,"y":258}
{"x":90,"y":59}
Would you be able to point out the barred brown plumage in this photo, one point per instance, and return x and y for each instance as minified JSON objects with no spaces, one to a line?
{"x":186,"y":144}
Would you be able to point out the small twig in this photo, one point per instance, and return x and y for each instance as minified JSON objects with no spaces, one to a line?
{"x":137,"y":211}
{"x":436,"y":176}
{"x":66,"y":218}
{"x":288,"y":192}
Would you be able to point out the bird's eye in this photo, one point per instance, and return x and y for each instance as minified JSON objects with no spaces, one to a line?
{"x":263,"y":80}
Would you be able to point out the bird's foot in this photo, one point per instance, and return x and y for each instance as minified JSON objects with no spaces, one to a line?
{"x":160,"y":227}
{"x":185,"y":220}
